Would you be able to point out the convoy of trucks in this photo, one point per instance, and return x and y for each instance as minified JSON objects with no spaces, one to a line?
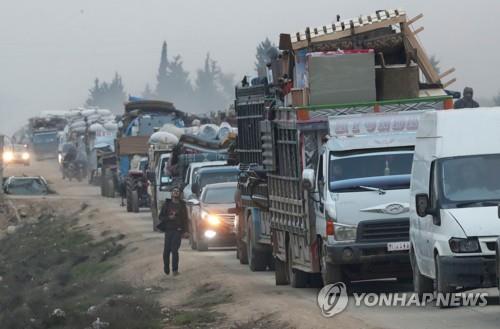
{"x":349,"y":166}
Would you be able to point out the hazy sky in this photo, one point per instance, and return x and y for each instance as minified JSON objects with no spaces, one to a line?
{"x":50,"y":51}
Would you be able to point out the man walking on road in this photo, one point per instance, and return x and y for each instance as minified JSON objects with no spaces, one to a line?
{"x":173,"y":218}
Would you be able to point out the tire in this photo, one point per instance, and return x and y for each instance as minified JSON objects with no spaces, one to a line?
{"x":128,"y":202}
{"x":256,"y":260}
{"x":442,"y":285}
{"x":421,"y":283}
{"x":201,"y":245}
{"x":281,"y":272}
{"x":330,"y":273}
{"x":298,"y":279}
{"x":134,"y":199}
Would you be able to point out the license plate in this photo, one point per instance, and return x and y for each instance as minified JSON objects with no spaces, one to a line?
{"x":398,"y":246}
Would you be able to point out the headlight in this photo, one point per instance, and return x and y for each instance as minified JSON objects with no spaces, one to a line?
{"x":470,"y":245}
{"x":345,"y":232}
{"x":8,"y":156}
{"x":204,"y":214}
{"x":213,"y":220}
{"x":25,"y":156}
{"x":60,"y":158}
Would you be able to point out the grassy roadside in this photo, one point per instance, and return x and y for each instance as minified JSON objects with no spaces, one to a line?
{"x":53,"y":274}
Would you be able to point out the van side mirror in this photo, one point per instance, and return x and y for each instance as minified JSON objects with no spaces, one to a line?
{"x":422,"y":205}
{"x":307,"y":180}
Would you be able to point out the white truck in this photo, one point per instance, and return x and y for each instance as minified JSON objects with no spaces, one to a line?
{"x":455,"y":196}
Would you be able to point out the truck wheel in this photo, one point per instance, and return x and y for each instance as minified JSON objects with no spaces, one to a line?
{"x":134,"y":198}
{"x":271,"y":263}
{"x":242,"y":252}
{"x":421,"y":283}
{"x":256,"y":260}
{"x":298,"y":279}
{"x":128,"y":202}
{"x":330,"y":273}
{"x":281,"y":272}
{"x":103,"y":188}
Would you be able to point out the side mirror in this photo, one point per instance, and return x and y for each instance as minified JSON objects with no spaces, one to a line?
{"x":307,"y":180}
{"x":195,"y":188}
{"x":193,"y":202}
{"x":151,"y":176}
{"x":422,"y":205}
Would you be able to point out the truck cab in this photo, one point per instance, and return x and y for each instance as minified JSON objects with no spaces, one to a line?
{"x":455,"y":195}
{"x":361,"y":197}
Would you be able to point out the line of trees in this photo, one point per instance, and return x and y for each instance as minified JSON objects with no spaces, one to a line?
{"x":212,"y":89}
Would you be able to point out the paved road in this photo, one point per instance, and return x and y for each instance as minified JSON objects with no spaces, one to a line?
{"x":255,"y":292}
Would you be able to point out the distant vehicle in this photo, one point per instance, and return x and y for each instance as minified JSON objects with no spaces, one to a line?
{"x":17,"y":154}
{"x":213,"y":175}
{"x":212,"y":223}
{"x":15,"y":185}
{"x":136,"y":184}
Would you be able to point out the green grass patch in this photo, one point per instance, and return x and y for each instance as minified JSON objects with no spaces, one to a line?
{"x":56,"y":264}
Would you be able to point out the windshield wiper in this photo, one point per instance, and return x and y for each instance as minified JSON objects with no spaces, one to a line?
{"x":374,"y":189}
{"x":478,"y":203}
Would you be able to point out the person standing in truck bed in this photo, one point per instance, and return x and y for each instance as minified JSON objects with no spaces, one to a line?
{"x":467,"y":101}
{"x":173,"y":219}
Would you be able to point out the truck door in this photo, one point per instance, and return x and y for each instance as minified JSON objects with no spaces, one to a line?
{"x":319,"y":195}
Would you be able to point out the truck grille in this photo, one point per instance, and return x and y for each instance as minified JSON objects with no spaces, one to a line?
{"x":384,"y":230}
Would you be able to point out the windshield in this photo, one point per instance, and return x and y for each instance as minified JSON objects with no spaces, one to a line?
{"x":470,"y":179}
{"x":45,"y":138}
{"x":378,"y":171}
{"x":219,"y":195}
{"x":218,"y":177}
{"x":27,"y":186}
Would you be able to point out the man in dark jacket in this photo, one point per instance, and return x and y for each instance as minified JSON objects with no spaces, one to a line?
{"x":173,"y":218}
{"x":467,"y":101}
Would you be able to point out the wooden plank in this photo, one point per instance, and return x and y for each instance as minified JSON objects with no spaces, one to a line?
{"x":422,"y":59}
{"x":446,"y":73}
{"x":339,"y":34}
{"x":414,"y":19}
{"x":447,"y":84}
{"x":417,"y":31}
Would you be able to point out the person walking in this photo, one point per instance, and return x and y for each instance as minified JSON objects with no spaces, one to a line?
{"x":173,"y":219}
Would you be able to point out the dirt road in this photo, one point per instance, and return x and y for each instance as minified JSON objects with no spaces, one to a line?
{"x":252,"y":295}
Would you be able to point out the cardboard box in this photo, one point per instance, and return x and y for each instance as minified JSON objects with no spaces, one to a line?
{"x":341,"y":77}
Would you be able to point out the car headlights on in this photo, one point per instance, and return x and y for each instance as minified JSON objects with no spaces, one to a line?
{"x":8,"y":156}
{"x":462,"y":246}
{"x":204,"y":215}
{"x":25,"y":156}
{"x":345,"y":232}
{"x":213,"y":220}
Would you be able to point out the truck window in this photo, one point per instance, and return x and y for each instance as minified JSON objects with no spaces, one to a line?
{"x":378,"y":170}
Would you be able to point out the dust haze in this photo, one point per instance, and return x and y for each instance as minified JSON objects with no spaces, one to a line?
{"x":53,"y":50}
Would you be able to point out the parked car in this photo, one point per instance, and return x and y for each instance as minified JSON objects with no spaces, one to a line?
{"x":212,"y":224}
{"x":15,"y":185}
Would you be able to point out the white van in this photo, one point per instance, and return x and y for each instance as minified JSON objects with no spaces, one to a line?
{"x":455,"y":196}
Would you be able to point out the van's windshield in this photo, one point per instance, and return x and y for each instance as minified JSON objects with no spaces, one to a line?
{"x":367,"y":172}
{"x":470,"y":180}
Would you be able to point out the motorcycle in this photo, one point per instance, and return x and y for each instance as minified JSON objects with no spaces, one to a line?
{"x":75,"y":169}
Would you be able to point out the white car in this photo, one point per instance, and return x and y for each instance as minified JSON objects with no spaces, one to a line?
{"x":455,"y":196}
